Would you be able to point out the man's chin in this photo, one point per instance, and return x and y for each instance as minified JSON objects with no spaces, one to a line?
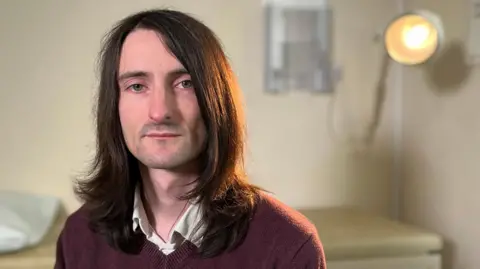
{"x":155,"y":164}
{"x":160,"y":160}
{"x":171,"y":162}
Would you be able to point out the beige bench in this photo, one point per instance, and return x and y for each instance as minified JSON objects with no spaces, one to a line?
{"x":354,"y":239}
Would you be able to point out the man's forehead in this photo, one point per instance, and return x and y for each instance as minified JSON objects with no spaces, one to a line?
{"x":144,"y":50}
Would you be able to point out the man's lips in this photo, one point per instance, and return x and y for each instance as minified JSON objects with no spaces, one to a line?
{"x":162,"y":135}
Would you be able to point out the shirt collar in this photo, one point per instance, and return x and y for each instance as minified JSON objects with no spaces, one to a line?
{"x":186,"y":226}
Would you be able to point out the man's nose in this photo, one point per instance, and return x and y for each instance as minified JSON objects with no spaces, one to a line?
{"x":161,"y":104}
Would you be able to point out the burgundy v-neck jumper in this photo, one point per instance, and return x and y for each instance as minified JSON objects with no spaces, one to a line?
{"x":278,"y":238}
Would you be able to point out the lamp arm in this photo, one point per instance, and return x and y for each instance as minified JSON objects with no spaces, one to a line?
{"x":368,"y":136}
{"x":379,"y":100}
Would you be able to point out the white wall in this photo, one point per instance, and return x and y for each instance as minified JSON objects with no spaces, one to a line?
{"x":48,"y":51}
{"x":47,"y":54}
{"x":442,"y":141}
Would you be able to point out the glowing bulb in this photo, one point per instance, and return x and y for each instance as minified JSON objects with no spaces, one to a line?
{"x":415,"y":37}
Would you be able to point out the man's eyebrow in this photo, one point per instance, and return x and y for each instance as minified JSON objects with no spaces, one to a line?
{"x":178,"y":72}
{"x":142,"y":74}
{"x":132,"y":74}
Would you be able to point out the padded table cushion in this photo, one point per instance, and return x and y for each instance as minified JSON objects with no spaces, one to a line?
{"x":40,"y":256}
{"x":347,"y":233}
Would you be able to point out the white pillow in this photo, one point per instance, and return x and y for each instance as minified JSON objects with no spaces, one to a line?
{"x":25,"y":219}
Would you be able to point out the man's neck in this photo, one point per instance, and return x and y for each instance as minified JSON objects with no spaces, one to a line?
{"x":163,"y":188}
{"x":161,"y":191}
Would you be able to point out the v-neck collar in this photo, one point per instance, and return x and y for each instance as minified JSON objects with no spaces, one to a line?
{"x":172,"y":260}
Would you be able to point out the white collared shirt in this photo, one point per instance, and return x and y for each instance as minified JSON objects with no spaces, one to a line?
{"x":183,"y":230}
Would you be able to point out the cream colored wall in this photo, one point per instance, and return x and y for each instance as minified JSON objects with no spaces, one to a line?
{"x":442,"y":141}
{"x":48,"y":49}
{"x":47,"y":53}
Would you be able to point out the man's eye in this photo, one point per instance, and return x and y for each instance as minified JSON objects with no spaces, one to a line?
{"x":136,"y":87}
{"x":186,"y":84}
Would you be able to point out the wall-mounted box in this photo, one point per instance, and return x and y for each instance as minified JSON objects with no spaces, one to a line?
{"x":298,"y":46}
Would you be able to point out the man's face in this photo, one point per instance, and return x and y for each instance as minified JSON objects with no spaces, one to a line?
{"x":158,"y":108}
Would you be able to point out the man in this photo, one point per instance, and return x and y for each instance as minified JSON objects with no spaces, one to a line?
{"x":167,"y":188}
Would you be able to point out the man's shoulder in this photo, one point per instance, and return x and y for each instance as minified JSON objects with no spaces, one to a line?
{"x":283,"y":219}
{"x":291,"y":239}
{"x":77,"y":222}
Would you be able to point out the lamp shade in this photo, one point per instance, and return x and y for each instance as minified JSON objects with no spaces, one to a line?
{"x":414,"y":37}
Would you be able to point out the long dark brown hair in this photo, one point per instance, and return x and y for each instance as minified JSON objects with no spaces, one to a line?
{"x":226,"y":198}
